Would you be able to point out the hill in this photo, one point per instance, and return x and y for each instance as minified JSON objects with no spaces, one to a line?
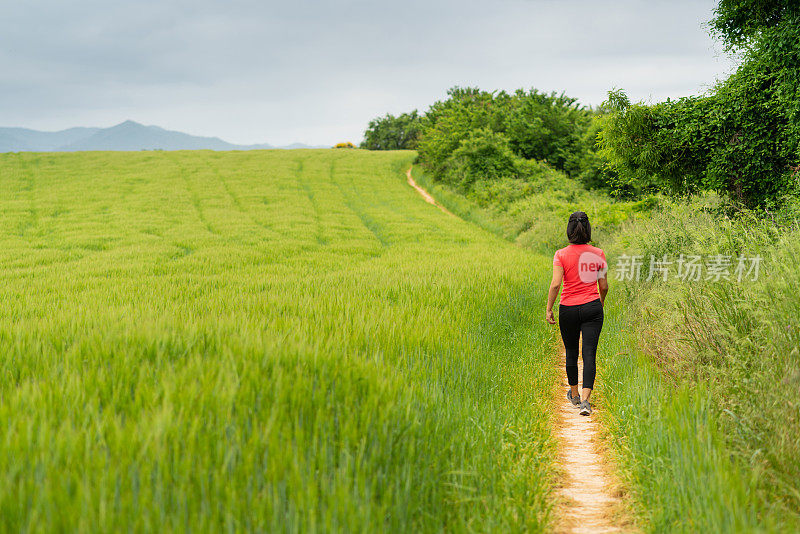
{"x":23,"y":139}
{"x":126,"y":136}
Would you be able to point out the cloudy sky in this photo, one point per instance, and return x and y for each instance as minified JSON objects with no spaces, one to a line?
{"x":317,"y":71}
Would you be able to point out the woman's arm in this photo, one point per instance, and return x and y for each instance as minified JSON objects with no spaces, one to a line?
{"x":602,"y":286}
{"x":555,"y":286}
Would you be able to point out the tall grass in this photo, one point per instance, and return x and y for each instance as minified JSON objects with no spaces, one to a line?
{"x":670,"y":446}
{"x":270,"y":341}
{"x":532,"y":213}
{"x":728,"y":349}
{"x":699,"y":382}
{"x":457,"y":203}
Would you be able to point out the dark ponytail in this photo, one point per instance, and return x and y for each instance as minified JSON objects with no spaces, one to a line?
{"x":579,"y":231}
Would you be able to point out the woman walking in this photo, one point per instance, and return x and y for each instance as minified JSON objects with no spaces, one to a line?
{"x":583,"y":270}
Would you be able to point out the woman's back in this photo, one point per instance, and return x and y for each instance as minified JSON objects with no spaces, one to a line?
{"x":583,"y":265}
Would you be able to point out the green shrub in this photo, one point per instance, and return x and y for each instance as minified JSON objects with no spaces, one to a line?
{"x":742,"y":139}
{"x":482,"y":155}
{"x":393,"y":133}
{"x":536,"y":126}
{"x":545,"y":127}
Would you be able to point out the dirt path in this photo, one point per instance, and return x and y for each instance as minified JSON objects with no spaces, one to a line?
{"x":590,"y":500}
{"x":428,"y":198}
{"x":589,"y":493}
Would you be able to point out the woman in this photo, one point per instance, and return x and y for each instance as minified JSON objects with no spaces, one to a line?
{"x":583,"y":270}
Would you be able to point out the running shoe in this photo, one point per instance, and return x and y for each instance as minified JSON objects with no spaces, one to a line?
{"x":586,"y":408}
{"x":574,"y":400}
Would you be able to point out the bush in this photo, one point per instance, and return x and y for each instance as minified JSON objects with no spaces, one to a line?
{"x":346,"y":144}
{"x":536,"y":126}
{"x":482,"y":155}
{"x":393,"y":133}
{"x":742,"y":140}
{"x":546,"y":127}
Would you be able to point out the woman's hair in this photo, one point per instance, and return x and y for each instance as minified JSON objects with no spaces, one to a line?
{"x":579,"y":231}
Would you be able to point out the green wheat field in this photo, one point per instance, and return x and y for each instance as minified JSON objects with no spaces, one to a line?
{"x":273,"y":341}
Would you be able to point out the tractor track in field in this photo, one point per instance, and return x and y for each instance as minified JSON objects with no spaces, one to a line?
{"x":424,"y":194}
{"x":590,"y":496}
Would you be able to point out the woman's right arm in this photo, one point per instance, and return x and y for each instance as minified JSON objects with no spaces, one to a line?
{"x":555,"y":286}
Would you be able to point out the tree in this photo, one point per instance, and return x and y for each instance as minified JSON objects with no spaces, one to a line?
{"x":545,"y":127}
{"x":393,"y":133}
{"x":447,"y":123}
{"x":482,"y":155}
{"x":534,"y":125}
{"x":738,"y":22}
{"x":742,"y":139}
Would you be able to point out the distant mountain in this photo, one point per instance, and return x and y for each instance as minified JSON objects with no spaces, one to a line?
{"x":128,"y":135}
{"x":134,"y":136}
{"x":301,"y":145}
{"x":22,"y":139}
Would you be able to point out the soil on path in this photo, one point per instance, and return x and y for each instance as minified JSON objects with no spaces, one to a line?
{"x":590,"y":494}
{"x":428,"y":198}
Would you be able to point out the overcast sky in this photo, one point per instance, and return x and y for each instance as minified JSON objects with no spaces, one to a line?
{"x":317,"y":71}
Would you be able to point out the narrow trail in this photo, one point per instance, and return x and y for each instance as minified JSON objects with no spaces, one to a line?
{"x":590,"y":494}
{"x":428,"y":198}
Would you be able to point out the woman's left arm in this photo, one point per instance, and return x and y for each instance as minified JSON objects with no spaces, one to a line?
{"x":602,"y":281}
{"x":555,"y":286}
{"x":602,"y":286}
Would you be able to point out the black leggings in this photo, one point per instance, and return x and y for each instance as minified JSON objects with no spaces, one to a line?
{"x":582,"y":320}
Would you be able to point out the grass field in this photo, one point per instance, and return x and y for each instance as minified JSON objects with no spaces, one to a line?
{"x":279,"y":341}
{"x":715,"y":364}
{"x":670,"y":445}
{"x":697,"y":380}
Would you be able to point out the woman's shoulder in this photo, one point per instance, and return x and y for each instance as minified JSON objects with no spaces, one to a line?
{"x":579,"y":249}
{"x":561,"y":251}
{"x":596,"y":250}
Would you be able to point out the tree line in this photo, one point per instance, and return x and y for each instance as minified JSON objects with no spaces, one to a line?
{"x":741,"y":139}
